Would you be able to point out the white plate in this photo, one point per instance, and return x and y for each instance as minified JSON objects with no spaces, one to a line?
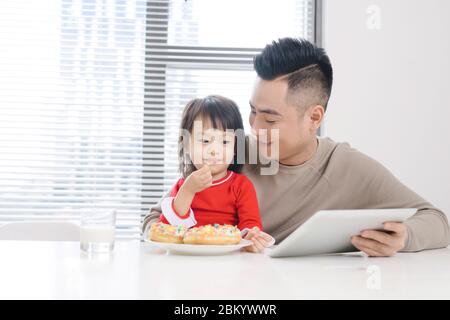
{"x":199,"y":249}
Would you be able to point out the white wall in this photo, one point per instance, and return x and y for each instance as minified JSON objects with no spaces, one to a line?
{"x":391,"y":95}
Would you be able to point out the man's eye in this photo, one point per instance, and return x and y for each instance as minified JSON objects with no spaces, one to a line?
{"x":226,"y":142}
{"x":204,"y":140}
{"x":253,"y":111}
{"x":270,"y":121}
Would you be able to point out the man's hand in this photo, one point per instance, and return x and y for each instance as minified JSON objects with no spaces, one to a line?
{"x":382,"y":243}
{"x":259,"y":238}
{"x":198,"y":180}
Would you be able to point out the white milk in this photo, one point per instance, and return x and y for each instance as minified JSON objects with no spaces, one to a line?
{"x":97,"y":238}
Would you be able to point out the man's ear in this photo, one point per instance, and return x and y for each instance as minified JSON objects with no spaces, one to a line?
{"x":315,"y":116}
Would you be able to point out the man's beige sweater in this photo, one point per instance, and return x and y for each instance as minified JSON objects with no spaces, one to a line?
{"x":338,"y":177}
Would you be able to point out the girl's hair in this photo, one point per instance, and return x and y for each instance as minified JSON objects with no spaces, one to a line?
{"x":223,"y":114}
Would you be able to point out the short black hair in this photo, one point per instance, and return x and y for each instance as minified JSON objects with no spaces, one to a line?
{"x":223,"y":113}
{"x":306,"y":67}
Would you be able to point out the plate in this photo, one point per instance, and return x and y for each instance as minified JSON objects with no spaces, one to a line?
{"x":199,"y":249}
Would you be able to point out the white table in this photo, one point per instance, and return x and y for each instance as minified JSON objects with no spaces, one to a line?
{"x":58,"y":270}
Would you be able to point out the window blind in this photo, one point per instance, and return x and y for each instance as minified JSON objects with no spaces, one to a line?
{"x":91,"y":94}
{"x":71,"y":110}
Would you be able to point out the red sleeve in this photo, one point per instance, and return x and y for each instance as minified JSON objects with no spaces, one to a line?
{"x":173,"y":193}
{"x":247,"y":205}
{"x":176,"y":187}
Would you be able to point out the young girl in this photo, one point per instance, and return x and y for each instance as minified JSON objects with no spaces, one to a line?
{"x":211,"y":189}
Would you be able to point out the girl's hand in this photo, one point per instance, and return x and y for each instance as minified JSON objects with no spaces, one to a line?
{"x":260,"y":240}
{"x":198,"y":180}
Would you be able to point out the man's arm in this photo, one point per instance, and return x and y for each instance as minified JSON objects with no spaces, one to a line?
{"x":154,"y":214}
{"x":427,"y":229}
{"x":376,"y":187}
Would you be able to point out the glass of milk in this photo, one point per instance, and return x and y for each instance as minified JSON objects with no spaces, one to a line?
{"x":97,"y":230}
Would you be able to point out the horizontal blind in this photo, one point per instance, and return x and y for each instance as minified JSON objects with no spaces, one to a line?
{"x":72,"y":110}
{"x":91,"y":93}
{"x":196,"y":48}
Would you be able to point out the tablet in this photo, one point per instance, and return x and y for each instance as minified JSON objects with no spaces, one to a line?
{"x":329,"y":231}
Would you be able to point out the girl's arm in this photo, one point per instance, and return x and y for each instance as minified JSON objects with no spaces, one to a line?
{"x":196,"y":182}
{"x":169,"y":214}
{"x":247,"y":205}
{"x":183,"y":200}
{"x":250,"y":219}
{"x":176,"y":209}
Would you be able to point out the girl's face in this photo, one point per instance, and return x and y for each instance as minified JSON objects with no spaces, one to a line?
{"x":212,"y":147}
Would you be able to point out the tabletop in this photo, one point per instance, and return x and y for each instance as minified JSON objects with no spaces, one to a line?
{"x":59,"y":270}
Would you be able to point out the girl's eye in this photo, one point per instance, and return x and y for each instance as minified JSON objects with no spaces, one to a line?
{"x":270,"y":121}
{"x":226,"y":142}
{"x":204,"y":141}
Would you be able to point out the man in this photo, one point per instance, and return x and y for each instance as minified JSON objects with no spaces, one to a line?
{"x":290,"y":97}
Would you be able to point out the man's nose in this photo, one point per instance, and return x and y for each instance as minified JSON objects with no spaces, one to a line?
{"x":257,"y":127}
{"x":256,"y":124}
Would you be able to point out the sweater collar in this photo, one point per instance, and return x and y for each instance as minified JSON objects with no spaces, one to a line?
{"x":224,"y":179}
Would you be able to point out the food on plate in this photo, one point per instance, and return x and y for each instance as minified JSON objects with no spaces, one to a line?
{"x":162,"y":232}
{"x":213,"y":235}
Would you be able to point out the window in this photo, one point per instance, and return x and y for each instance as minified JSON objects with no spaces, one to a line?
{"x":91,"y":93}
{"x":71,"y":115}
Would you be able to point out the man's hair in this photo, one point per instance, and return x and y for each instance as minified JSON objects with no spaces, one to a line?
{"x":306,"y":68}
